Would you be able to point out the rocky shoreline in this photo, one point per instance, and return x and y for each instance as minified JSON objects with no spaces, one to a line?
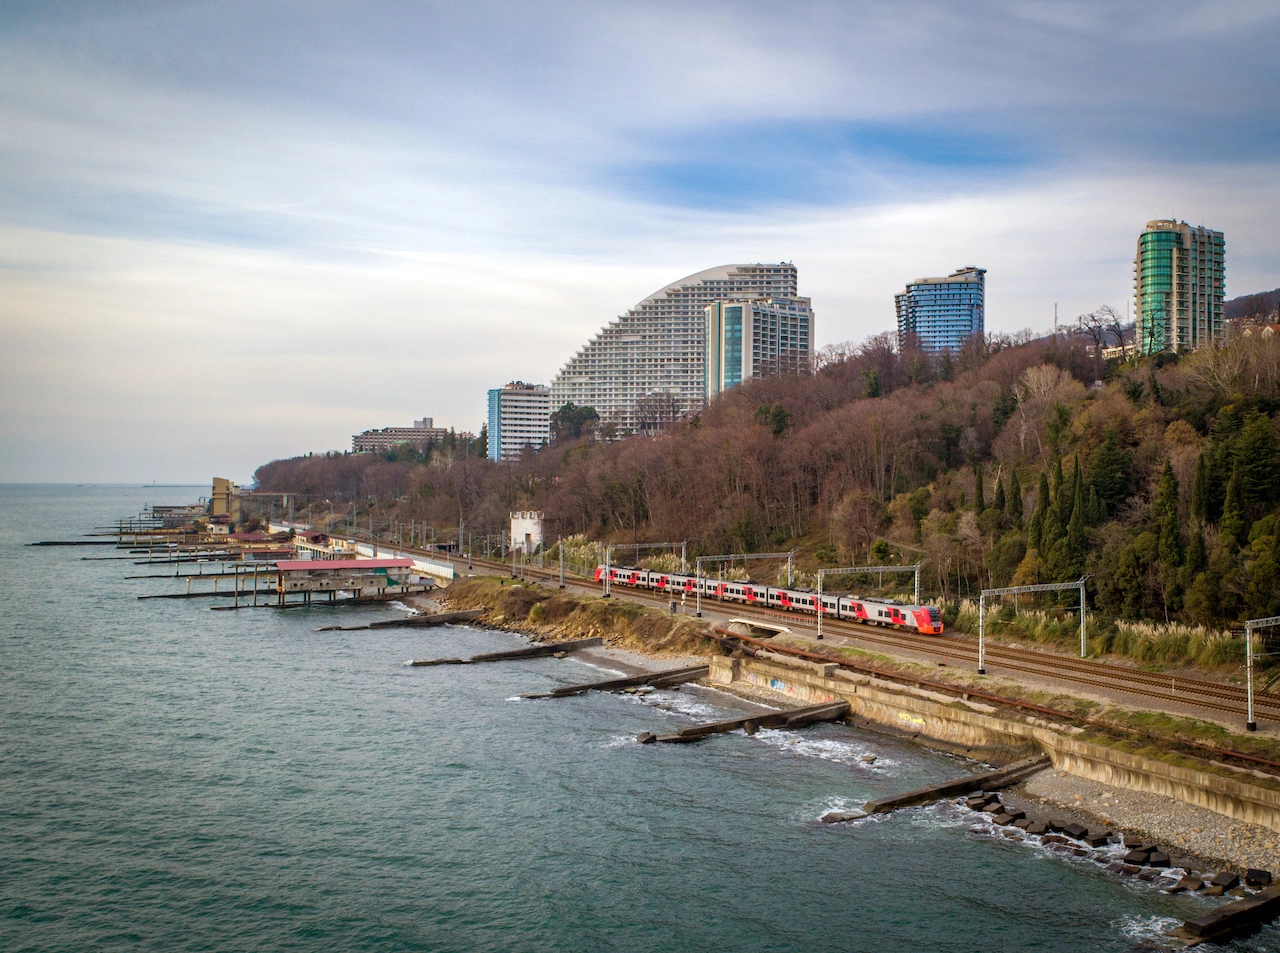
{"x":1204,"y":838}
{"x":1015,"y":815}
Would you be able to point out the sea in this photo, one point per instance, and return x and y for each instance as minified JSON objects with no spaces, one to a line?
{"x":178,"y":779}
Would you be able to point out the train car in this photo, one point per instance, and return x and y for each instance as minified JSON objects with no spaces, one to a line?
{"x":798,"y":600}
{"x":624,"y":576}
{"x":678,"y":582}
{"x":926,"y":620}
{"x":746,"y":592}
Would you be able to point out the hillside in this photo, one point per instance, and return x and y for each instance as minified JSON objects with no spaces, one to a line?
{"x":1250,"y":306}
{"x":997,"y":466}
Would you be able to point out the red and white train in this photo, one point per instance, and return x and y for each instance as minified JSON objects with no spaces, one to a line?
{"x":926,"y":620}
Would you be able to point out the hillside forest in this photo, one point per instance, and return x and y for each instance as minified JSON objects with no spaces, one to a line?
{"x":1003,"y":464}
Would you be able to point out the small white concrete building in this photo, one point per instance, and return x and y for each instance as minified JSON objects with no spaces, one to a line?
{"x":526,"y":531}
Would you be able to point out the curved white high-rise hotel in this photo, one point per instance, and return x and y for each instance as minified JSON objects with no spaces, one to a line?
{"x":651,"y":362}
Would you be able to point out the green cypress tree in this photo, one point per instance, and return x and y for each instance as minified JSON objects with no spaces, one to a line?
{"x":1171,"y":553}
{"x":1035,"y":532}
{"x":1263,"y":592}
{"x":1096,"y":514}
{"x":1166,"y":493}
{"x":1076,"y":542}
{"x":1231,"y":526}
{"x":1197,"y":557}
{"x":1200,"y":491}
{"x":1063,"y":500}
{"x":1109,"y":472}
{"x":1165,"y":512}
{"x":1220,"y":458}
{"x":1043,"y":496}
{"x":1257,"y":452}
{"x":979,"y":496}
{"x":1015,"y":499}
{"x":1000,"y":502}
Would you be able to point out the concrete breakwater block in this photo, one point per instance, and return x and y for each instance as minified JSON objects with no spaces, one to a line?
{"x":1232,"y":918}
{"x":1075,"y":831}
{"x":1038,"y":828}
{"x":1257,"y":878}
{"x":646,"y":737}
{"x":1004,"y":820}
{"x":1158,"y":859}
{"x":1187,"y":884}
{"x":1097,"y":838}
{"x":839,"y":817}
{"x":1137,"y":857}
{"x":1226,"y":880}
{"x":993,"y":808}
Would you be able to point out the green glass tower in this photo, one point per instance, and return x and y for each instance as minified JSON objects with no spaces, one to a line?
{"x":1178,"y":280}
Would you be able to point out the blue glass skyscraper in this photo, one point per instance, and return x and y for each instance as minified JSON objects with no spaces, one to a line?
{"x":938,"y":314}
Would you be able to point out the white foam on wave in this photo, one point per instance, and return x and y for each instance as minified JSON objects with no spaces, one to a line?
{"x":827,"y":806}
{"x":620,"y":741}
{"x":680,"y":703}
{"x":1139,"y":928}
{"x":840,"y":751}
{"x":397,"y":604}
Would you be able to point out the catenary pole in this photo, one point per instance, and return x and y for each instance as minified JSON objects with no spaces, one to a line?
{"x":1250,"y":627}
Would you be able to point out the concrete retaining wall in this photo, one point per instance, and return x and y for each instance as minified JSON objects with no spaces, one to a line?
{"x":1120,"y":769}
{"x":960,"y":731}
{"x":921,"y":715}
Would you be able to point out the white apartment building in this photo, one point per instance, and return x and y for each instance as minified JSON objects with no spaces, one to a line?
{"x":656,"y":352}
{"x":519,"y":417}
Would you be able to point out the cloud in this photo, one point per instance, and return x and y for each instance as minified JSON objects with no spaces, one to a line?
{"x":332,"y":216}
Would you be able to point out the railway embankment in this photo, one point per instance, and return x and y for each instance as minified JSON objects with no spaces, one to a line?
{"x":554,"y":616}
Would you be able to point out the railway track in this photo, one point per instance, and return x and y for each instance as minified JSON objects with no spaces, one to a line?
{"x":1214,"y":697}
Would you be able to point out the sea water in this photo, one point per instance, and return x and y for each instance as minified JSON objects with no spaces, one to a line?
{"x":174,"y":778}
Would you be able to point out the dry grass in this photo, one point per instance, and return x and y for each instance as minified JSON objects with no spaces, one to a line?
{"x":1155,"y":643}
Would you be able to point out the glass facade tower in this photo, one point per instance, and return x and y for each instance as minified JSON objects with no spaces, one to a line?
{"x":756,"y":338}
{"x":938,"y":314}
{"x":1179,"y":276}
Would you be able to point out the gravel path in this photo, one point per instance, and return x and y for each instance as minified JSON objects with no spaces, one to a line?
{"x":1211,"y":838}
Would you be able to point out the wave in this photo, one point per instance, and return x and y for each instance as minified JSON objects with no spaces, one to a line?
{"x":1139,"y":928}
{"x":850,"y":752}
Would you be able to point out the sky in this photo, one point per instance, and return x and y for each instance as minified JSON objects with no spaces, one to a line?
{"x":232,"y":232}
